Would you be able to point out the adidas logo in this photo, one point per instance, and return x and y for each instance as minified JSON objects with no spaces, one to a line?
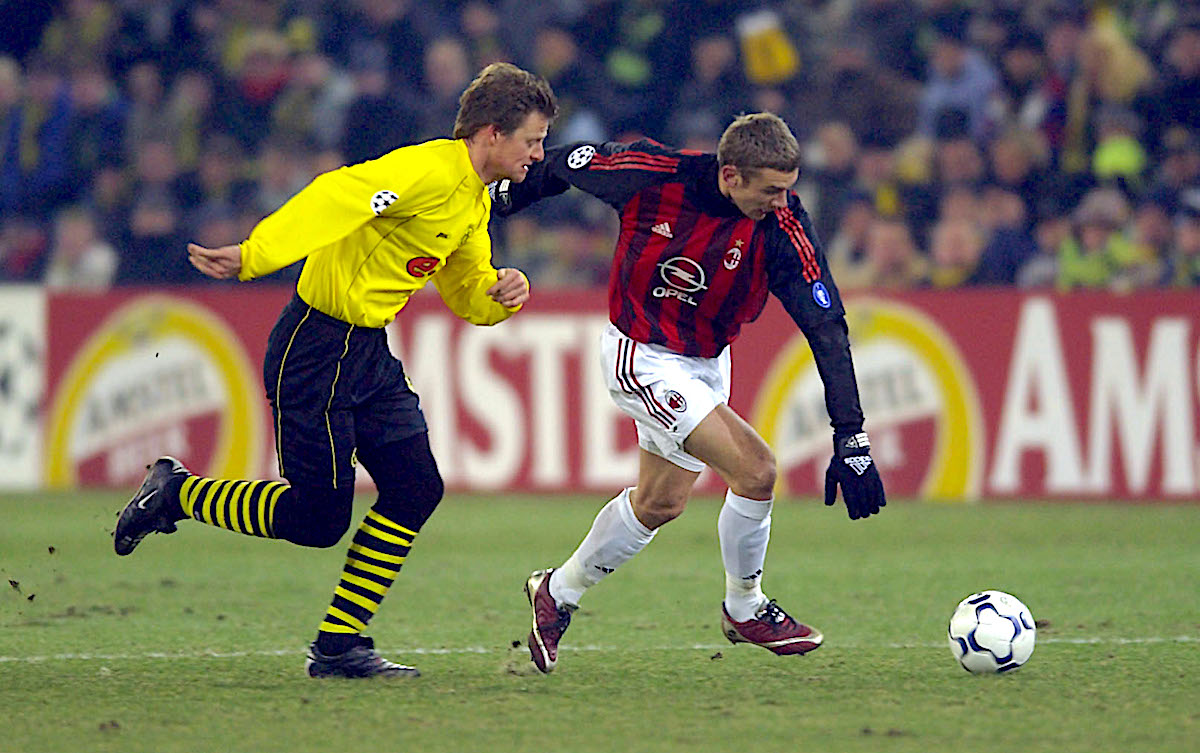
{"x":663,"y":229}
{"x":860,"y":463}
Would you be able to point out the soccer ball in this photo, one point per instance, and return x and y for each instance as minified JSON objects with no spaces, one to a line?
{"x":991,"y":631}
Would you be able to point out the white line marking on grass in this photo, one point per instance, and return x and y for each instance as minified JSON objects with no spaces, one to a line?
{"x":404,"y":651}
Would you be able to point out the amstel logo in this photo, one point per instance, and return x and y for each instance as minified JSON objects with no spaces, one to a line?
{"x":922,"y":409}
{"x":159,"y":376}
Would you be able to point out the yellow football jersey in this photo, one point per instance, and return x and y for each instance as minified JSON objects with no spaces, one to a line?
{"x":375,"y":232}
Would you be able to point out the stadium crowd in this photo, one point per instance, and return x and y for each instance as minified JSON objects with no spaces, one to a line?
{"x":1037,"y":143}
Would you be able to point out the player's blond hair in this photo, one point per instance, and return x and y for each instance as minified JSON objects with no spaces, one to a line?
{"x":759,"y":140}
{"x":503,"y":95}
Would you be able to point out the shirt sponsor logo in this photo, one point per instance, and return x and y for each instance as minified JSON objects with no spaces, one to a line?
{"x":581,"y":156}
{"x":683,"y":277}
{"x":821,"y":295}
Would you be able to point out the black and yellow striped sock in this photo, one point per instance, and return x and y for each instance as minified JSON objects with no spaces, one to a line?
{"x":242,"y":506}
{"x":376,"y":555}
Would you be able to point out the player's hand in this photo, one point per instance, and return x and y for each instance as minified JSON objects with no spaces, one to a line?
{"x":511,"y":290}
{"x":222,"y":263}
{"x":853,"y":468}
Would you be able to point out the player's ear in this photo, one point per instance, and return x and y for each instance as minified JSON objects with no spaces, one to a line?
{"x":731,"y":175}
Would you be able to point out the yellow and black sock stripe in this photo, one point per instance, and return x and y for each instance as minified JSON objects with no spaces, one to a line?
{"x":376,"y":555}
{"x":242,"y":506}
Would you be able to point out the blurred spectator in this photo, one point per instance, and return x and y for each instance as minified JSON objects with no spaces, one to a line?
{"x":1016,"y":161}
{"x":1009,"y":245}
{"x":156,"y":172}
{"x":1180,"y":166}
{"x":220,"y":175}
{"x":558,"y":58}
{"x":482,"y":26}
{"x":148,"y":117}
{"x":447,"y":73}
{"x":314,"y":102}
{"x":283,"y":169}
{"x":11,"y":87}
{"x":1098,"y":254}
{"x":82,"y":32}
{"x":23,"y":245}
{"x":97,"y":130}
{"x":1022,"y":72}
{"x":879,"y":105}
{"x":35,"y":174}
{"x":890,"y":28}
{"x":1181,"y":92}
{"x":642,"y":47}
{"x":832,"y":177}
{"x":153,"y":251}
{"x":391,"y":32}
{"x":713,"y":93}
{"x":377,"y":119}
{"x":1151,"y":232}
{"x":959,"y":162}
{"x":956,"y":248}
{"x":190,"y":114}
{"x":79,"y":259}
{"x":1063,"y":38}
{"x":846,"y":249}
{"x":892,"y":259}
{"x":246,"y":99}
{"x":960,"y":78}
{"x":1183,"y":260}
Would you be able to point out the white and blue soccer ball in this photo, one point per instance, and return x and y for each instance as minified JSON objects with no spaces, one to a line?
{"x":992,"y":631}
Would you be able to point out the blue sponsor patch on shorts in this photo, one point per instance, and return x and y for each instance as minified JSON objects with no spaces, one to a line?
{"x":821,"y":295}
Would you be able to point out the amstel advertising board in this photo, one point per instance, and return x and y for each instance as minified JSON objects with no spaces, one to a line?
{"x":968,"y":394}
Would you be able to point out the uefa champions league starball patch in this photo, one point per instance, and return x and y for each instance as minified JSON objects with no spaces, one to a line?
{"x":382,"y":200}
{"x":581,"y":156}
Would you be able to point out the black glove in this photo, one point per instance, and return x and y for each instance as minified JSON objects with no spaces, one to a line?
{"x":852,"y":467}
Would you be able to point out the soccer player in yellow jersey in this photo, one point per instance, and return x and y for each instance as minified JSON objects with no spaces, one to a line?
{"x":370,"y":235}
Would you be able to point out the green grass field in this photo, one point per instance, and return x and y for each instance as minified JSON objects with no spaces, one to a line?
{"x":195,"y":642}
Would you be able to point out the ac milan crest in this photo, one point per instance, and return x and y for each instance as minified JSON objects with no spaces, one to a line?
{"x":675,"y":401}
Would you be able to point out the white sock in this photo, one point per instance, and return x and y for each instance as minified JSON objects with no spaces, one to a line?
{"x":616,"y":535}
{"x":744,"y":528}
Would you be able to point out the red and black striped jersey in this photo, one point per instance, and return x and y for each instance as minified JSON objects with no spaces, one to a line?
{"x":689,"y":268}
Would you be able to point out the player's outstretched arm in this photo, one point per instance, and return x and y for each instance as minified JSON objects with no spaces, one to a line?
{"x":222,"y":263}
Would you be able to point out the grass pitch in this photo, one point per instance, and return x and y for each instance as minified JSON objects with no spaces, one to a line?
{"x":195,"y":642}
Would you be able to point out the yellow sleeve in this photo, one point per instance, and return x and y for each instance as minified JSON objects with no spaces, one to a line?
{"x":465,"y":278}
{"x":336,"y":203}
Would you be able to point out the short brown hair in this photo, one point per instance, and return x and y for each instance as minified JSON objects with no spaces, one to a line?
{"x":502,"y":95}
{"x":759,"y":140}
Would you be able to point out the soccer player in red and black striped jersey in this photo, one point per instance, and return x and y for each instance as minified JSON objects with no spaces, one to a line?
{"x":703,"y":239}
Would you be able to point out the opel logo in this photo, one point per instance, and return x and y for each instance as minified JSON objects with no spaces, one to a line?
{"x":683,"y":274}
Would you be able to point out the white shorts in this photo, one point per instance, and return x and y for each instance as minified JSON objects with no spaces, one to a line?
{"x":666,"y":394}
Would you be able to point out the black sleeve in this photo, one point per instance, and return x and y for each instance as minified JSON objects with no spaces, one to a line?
{"x":612,"y":172}
{"x":798,"y":275}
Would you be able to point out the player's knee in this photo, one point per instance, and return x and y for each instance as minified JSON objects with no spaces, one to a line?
{"x":413,"y":502}
{"x":757,"y":477}
{"x":317,"y":518}
{"x":654,"y":508}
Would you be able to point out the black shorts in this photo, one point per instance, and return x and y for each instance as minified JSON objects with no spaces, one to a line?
{"x":333,"y":387}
